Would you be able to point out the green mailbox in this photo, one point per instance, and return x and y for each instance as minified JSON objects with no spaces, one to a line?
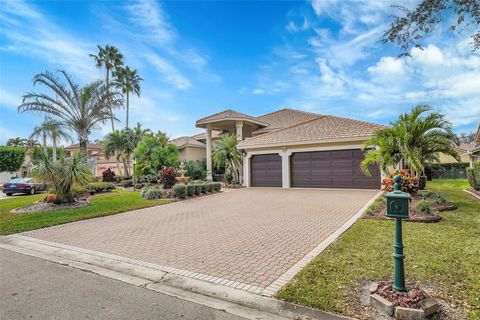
{"x":397,"y":208}
{"x":397,"y":201}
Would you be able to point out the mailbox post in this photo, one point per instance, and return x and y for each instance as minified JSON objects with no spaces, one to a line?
{"x":397,"y":208}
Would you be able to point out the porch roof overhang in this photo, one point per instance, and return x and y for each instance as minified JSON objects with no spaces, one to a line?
{"x":227,"y":118}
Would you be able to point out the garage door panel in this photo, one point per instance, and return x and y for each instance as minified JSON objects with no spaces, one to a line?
{"x":331,"y":169}
{"x":266,"y":170}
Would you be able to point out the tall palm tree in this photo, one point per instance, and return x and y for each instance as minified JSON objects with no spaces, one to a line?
{"x":54,"y":130}
{"x":79,"y":109}
{"x":109,"y":58}
{"x":128,"y":81}
{"x":139,"y":133}
{"x":16,"y":142}
{"x":162,"y":138}
{"x":113,"y":144}
{"x":415,"y":138}
{"x":226,"y":154}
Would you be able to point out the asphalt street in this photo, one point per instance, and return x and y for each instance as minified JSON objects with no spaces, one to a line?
{"x":32,"y":288}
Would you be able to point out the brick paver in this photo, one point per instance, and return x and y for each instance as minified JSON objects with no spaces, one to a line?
{"x":250,"y":236}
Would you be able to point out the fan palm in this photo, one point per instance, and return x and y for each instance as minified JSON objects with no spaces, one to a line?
{"x":109,"y":58}
{"x":16,"y":142}
{"x":79,"y":109}
{"x":414,"y":138}
{"x":127,"y":81}
{"x":52,"y":129}
{"x":227,"y":155}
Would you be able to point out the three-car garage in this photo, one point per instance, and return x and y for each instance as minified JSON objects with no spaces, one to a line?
{"x":314,"y":169}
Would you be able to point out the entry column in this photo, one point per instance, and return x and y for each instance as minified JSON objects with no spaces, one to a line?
{"x":285,"y":168}
{"x":209,"y":153}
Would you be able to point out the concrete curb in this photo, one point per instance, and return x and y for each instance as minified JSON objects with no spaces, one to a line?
{"x":472,"y":194}
{"x":234,"y":301}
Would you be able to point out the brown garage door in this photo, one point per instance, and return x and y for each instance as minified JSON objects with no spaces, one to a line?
{"x":332,"y":169}
{"x":266,"y":170}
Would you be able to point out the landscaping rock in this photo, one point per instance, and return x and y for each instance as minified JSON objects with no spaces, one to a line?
{"x":402,"y":313}
{"x":429,"y":306}
{"x":373,"y":287}
{"x":382,"y":305}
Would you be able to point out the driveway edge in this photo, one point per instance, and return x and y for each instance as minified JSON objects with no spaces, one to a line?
{"x":472,"y":194}
{"x":183,"y":287}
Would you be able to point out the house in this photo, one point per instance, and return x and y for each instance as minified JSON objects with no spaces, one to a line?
{"x":193,"y":148}
{"x":293,"y":148}
{"x":96,"y":158}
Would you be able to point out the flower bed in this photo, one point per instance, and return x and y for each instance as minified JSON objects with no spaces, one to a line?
{"x":423,"y":206}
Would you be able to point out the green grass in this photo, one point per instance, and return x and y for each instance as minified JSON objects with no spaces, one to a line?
{"x":102,"y":205}
{"x":444,"y":257}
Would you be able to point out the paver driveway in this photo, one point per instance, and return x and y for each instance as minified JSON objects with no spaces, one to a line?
{"x":250,"y":236}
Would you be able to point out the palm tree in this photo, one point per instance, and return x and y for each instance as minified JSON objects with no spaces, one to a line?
{"x":63,"y":174}
{"x":413,"y":138}
{"x":109,"y":58}
{"x":54,"y":130}
{"x":119,"y":143}
{"x":139,"y":133}
{"x":226,"y":154}
{"x":162,"y":138}
{"x":128,"y":81}
{"x":79,"y":109}
{"x":30,"y":146}
{"x":16,"y":142}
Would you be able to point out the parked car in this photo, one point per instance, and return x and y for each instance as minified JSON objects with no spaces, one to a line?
{"x":22,"y":185}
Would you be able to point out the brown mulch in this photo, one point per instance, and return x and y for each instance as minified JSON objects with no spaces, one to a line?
{"x":44,"y":206}
{"x":409,"y":299}
{"x":414,"y":216}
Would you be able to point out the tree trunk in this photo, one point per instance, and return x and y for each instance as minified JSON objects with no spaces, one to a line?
{"x":108,"y":101}
{"x":54,"y":149}
{"x":83,"y":140}
{"x":126,"y":121}
{"x":125,"y":166}
{"x":45,"y":149}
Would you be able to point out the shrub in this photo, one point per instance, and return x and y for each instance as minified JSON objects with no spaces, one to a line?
{"x":211,"y":186}
{"x":180,"y":191}
{"x":122,"y":177}
{"x":205,"y":187}
{"x":190,"y":190}
{"x":108,"y":175}
{"x":218,"y":186}
{"x":432,"y":197}
{"x":167,"y":177}
{"x":152,"y":193}
{"x":422,"y":182}
{"x":11,"y":158}
{"x":423,"y":207}
{"x":196,"y":170}
{"x":78,"y":190}
{"x":198,"y":188}
{"x":126,"y":183}
{"x":50,"y":198}
{"x":473,"y":175}
{"x":147,"y":179}
{"x":100,"y":187}
{"x":408,"y":184}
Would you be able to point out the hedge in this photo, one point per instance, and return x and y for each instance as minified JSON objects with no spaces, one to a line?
{"x":180,"y":191}
{"x":100,"y":186}
{"x":11,"y":158}
{"x":473,"y":175}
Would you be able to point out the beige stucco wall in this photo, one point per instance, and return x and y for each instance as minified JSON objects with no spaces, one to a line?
{"x":192,"y":154}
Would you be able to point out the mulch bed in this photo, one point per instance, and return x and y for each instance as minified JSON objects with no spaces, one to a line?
{"x":44,"y":206}
{"x":379,"y":213}
{"x":409,"y":299}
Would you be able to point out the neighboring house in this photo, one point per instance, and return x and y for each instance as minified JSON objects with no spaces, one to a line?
{"x":292,"y":148}
{"x":189,"y":148}
{"x":96,"y":158}
{"x":463,"y":150}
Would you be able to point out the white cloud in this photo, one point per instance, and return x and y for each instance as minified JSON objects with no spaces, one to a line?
{"x":9,"y":99}
{"x":388,"y":66}
{"x":430,"y":55}
{"x":169,"y":72}
{"x":149,"y":15}
{"x":30,"y":33}
{"x":258,"y":91}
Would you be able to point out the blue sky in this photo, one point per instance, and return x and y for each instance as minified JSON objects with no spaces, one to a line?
{"x":201,"y":57}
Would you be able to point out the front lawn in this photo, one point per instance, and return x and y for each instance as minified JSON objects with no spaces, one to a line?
{"x":444,"y":257}
{"x":102,"y":205}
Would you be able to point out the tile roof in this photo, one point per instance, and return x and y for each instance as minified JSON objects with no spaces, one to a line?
{"x":203,"y":135}
{"x":89,"y":146}
{"x":182,"y":142}
{"x":467,"y":146}
{"x":228,"y":114}
{"x":285,"y":118}
{"x":323,"y":127}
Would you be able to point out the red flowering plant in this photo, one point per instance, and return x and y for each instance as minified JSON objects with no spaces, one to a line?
{"x":408,"y":184}
{"x":167,"y":177}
